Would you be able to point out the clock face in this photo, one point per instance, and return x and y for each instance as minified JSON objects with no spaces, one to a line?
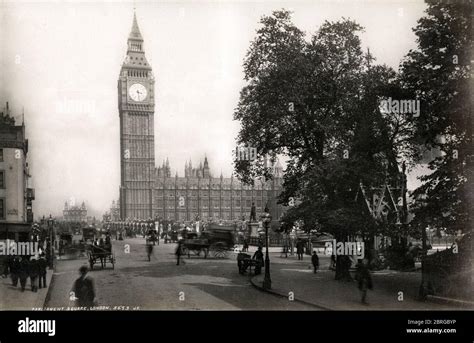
{"x":137,"y":92}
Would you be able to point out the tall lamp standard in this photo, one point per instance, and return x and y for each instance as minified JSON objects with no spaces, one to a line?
{"x":51,"y":244}
{"x":266,"y":219}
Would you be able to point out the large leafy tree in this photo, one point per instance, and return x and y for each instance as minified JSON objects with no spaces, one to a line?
{"x":438,"y":74}
{"x":317,"y":103}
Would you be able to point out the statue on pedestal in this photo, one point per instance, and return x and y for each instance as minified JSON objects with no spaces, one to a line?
{"x":253,"y":213}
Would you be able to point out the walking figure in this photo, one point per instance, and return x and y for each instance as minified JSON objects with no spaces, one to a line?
{"x":179,"y":251}
{"x":83,"y":290}
{"x":149,"y":251}
{"x":15,"y":270}
{"x":315,"y":261}
{"x":245,"y":247}
{"x":33,"y":271}
{"x":332,"y":265}
{"x":299,"y":250}
{"x":364,"y":279}
{"x":42,"y":271}
{"x":23,"y":272}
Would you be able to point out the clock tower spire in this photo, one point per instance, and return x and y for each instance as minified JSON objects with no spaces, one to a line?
{"x":136,"y":104}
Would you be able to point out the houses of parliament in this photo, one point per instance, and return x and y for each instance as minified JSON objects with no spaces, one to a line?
{"x":147,"y":191}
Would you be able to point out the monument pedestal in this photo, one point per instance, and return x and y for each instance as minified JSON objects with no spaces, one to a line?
{"x":253,"y":229}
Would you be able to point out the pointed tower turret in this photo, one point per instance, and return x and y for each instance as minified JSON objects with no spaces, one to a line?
{"x":135,"y":48}
{"x":168,"y":169}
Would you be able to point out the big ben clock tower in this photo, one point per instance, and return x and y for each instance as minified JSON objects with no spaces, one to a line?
{"x":136,"y":104}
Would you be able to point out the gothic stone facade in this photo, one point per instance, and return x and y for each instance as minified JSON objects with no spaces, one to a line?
{"x":199,"y":195}
{"x":147,"y":192}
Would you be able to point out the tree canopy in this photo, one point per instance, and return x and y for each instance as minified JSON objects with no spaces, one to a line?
{"x":316,"y":102}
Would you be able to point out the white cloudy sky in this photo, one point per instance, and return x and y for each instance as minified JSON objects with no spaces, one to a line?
{"x":60,"y":61}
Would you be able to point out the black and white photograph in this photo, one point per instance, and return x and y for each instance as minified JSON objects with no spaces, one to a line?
{"x":238,"y":155}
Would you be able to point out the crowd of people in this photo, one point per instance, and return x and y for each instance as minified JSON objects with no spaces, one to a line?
{"x":22,"y":268}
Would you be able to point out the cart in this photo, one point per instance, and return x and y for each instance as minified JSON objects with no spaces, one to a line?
{"x":102,"y":255}
{"x":245,"y":261}
{"x":216,"y":241}
{"x":193,"y":244}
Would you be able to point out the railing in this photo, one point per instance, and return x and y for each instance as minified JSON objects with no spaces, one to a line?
{"x":273,"y":241}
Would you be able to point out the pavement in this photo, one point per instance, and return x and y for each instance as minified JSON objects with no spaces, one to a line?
{"x":12,"y":298}
{"x":137,"y":284}
{"x":215,"y":284}
{"x":393,"y":290}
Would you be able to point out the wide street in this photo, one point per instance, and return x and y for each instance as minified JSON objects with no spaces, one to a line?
{"x":200,"y":284}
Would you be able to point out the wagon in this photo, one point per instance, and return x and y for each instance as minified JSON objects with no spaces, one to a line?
{"x":215,"y":242}
{"x":245,"y":261}
{"x":193,"y":244}
{"x":102,"y":255}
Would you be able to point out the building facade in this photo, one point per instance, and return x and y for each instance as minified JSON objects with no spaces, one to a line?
{"x":147,"y":192}
{"x":199,"y":195}
{"x":74,"y":213}
{"x":16,"y":197}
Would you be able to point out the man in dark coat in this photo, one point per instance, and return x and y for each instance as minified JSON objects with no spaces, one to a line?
{"x":315,"y":261}
{"x":179,"y":252}
{"x":83,"y":289}
{"x":43,"y":270}
{"x":33,"y":271}
{"x":300,"y":249}
{"x":14,"y":269}
{"x":23,"y":272}
{"x":259,"y":257}
{"x":7,"y":262}
{"x":364,"y":279}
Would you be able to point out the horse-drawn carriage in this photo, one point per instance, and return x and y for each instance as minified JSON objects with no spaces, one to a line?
{"x":170,"y":236}
{"x":102,"y":254}
{"x":245,"y":261}
{"x":71,"y":246}
{"x":216,"y":241}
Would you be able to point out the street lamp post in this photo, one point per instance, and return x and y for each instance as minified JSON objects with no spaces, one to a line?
{"x":51,"y":245}
{"x":267,"y":281}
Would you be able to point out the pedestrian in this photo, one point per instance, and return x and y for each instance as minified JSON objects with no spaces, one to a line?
{"x":6,"y":266}
{"x":346,"y":266}
{"x":33,"y":272}
{"x":179,"y":252}
{"x":364,"y":279}
{"x":15,"y":270}
{"x":102,"y":252}
{"x":292,"y":240}
{"x":83,"y":290}
{"x":61,"y":248}
{"x":299,"y":250}
{"x":23,"y":272}
{"x":43,"y":270}
{"x":315,"y":261}
{"x":258,"y":256}
{"x":149,"y":251}
{"x":332,"y":265}
{"x":246,"y":245}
